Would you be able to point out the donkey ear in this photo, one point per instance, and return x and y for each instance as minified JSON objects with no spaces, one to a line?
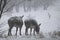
{"x":39,"y":24}
{"x":22,"y":16}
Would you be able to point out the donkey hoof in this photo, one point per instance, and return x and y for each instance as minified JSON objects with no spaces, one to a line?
{"x":33,"y":34}
{"x":15,"y":34}
{"x":20,"y":34}
{"x":9,"y":34}
{"x":26,"y":34}
{"x":30,"y":34}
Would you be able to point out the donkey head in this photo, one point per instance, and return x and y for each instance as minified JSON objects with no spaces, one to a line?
{"x":38,"y":28}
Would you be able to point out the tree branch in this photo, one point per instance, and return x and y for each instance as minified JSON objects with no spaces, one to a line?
{"x":13,"y":6}
{"x":9,"y":8}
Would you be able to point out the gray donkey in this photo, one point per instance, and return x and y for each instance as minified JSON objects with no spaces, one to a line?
{"x":15,"y":22}
{"x":31,"y":23}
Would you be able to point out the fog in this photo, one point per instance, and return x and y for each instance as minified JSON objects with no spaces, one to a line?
{"x":50,"y":22}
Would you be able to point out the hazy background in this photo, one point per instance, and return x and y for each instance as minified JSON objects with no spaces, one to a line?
{"x":49,"y":17}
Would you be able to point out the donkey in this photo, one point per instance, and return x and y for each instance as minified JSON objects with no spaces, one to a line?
{"x":31,"y":23}
{"x":15,"y":22}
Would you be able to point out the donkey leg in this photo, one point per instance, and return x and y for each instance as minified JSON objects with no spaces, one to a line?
{"x":34,"y":32}
{"x":30,"y":30}
{"x":26,"y":31}
{"x":16,"y":30}
{"x":20,"y":30}
{"x":9,"y":32}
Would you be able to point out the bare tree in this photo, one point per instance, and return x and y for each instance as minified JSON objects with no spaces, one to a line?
{"x":2,"y":6}
{"x":35,"y":4}
{"x":6,"y":5}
